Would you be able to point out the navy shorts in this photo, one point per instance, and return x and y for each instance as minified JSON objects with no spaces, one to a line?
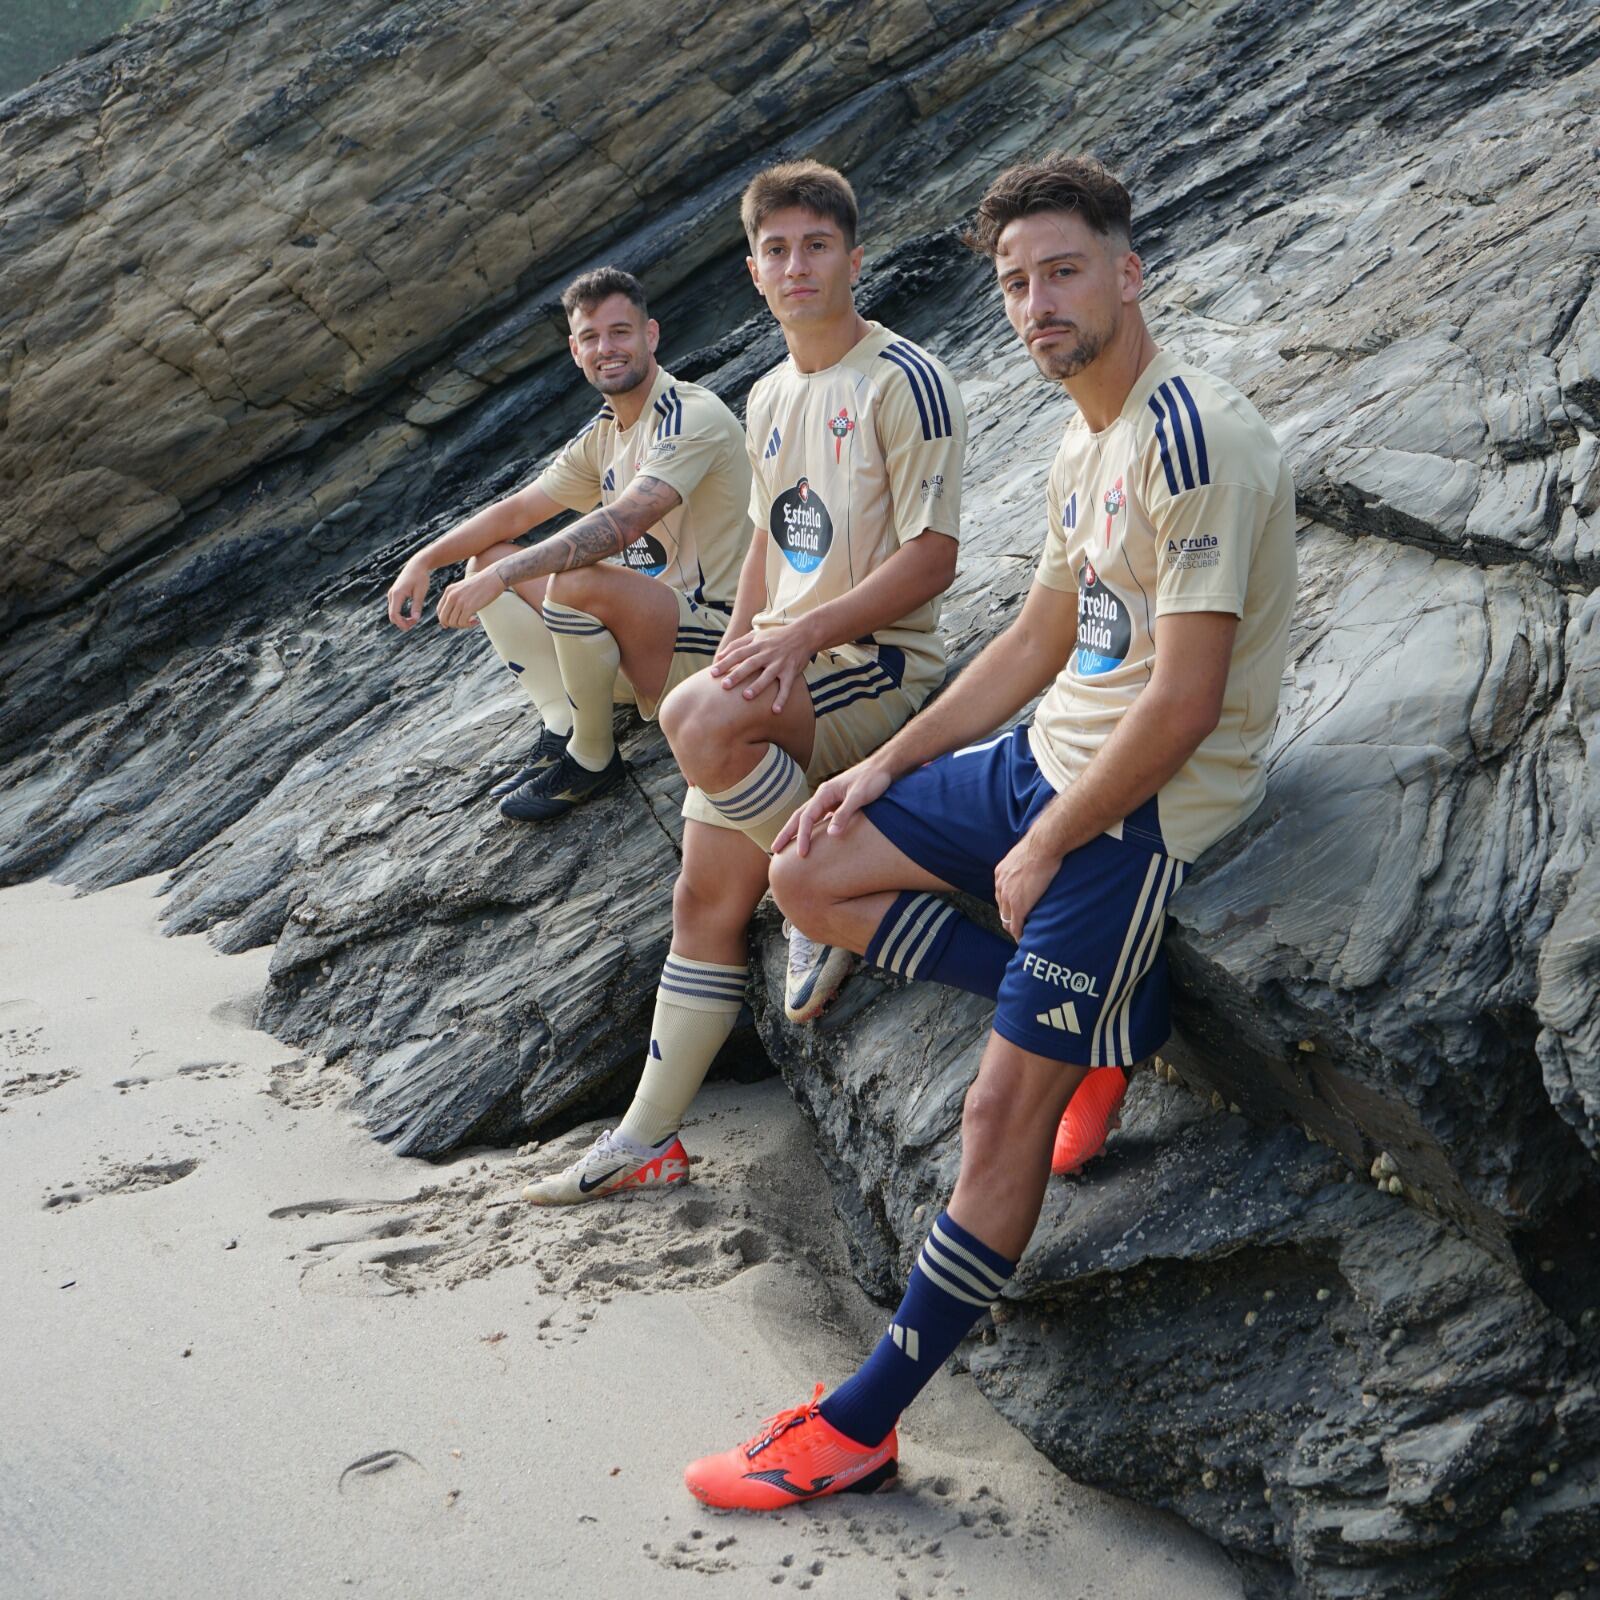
{"x":1088,"y":984}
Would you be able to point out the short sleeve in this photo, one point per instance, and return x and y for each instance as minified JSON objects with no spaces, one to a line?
{"x":1206,"y":539}
{"x":922,"y":426}
{"x":755,"y":446}
{"x":1055,"y":565}
{"x":573,"y":478}
{"x":681,"y":457}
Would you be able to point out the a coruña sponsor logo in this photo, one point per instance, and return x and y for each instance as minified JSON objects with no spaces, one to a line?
{"x":647,"y":555}
{"x":1198,"y":550}
{"x":1104,"y":628}
{"x":801,"y":526}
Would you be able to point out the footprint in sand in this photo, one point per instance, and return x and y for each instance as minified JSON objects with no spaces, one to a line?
{"x":119,"y":1178}
{"x":28,"y":1084}
{"x":306,"y":1081}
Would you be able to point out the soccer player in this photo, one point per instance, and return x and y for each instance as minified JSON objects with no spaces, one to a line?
{"x":855,"y":444}
{"x":1158,"y":624}
{"x":662,"y":473}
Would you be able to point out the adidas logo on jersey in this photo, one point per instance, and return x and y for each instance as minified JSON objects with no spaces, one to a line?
{"x":1064,"y":1018}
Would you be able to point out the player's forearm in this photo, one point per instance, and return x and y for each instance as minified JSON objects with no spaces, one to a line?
{"x":1006,"y":675}
{"x":604,"y":532}
{"x":500,"y":523}
{"x":752,"y":591}
{"x":1147,"y":748}
{"x":919,"y":571}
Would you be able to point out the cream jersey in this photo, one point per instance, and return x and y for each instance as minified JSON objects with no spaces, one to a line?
{"x":1184,"y":503}
{"x":688,"y":439}
{"x":847,"y":464}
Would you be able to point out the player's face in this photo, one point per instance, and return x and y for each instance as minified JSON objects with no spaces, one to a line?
{"x":1066,"y":288}
{"x":613,"y":342}
{"x":803,"y":268}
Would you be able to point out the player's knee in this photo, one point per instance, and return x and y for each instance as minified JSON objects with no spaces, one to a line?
{"x":795,"y":888}
{"x":985,"y":1124}
{"x":576,"y":589}
{"x":487,"y":558}
{"x":689,"y":716}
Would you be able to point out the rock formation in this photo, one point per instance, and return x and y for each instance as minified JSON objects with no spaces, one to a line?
{"x":277,"y":300}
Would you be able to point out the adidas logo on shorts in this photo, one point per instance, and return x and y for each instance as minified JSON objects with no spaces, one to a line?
{"x":1064,"y":1017}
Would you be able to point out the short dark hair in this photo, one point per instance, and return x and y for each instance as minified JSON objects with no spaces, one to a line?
{"x":807,"y":184}
{"x":1059,"y":182}
{"x":591,"y":288}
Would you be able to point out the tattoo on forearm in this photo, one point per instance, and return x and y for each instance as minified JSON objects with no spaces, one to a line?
{"x":605,"y":532}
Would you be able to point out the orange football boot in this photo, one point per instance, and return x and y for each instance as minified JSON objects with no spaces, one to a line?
{"x":797,"y":1455}
{"x":1090,"y":1115}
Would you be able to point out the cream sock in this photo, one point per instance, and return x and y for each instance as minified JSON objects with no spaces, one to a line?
{"x":762,"y":801}
{"x":522,"y":641}
{"x":697,"y":1004}
{"x":590,"y":661}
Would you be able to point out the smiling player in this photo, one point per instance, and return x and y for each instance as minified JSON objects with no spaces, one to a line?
{"x":661,"y":472}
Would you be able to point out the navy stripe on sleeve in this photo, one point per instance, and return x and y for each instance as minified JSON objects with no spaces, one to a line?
{"x":1161,"y":439}
{"x":919,"y":359}
{"x":916,"y":388}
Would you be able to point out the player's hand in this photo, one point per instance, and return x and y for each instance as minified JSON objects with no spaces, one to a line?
{"x":1021,"y":878}
{"x":460,"y":604}
{"x":724,"y":645}
{"x":835,"y":803}
{"x":774,"y":655}
{"x":410,"y":589}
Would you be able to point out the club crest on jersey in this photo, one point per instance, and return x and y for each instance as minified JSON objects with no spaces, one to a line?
{"x":647,"y":555}
{"x":1105,"y":629}
{"x":1116,"y":499}
{"x":801,"y":527}
{"x":841,"y":427}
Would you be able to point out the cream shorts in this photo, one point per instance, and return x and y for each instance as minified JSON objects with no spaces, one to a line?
{"x":858,"y":706}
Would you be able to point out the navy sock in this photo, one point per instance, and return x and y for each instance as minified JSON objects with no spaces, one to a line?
{"x":923,"y":936}
{"x":955,"y":1280}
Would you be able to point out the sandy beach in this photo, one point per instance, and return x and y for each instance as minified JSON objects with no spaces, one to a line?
{"x":250,"y":1352}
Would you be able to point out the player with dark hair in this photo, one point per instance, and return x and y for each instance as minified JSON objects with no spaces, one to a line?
{"x":632,"y":598}
{"x":855,"y":444}
{"x":1157,"y":626}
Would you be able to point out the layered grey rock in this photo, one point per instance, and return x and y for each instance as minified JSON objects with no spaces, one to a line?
{"x":1378,"y":221}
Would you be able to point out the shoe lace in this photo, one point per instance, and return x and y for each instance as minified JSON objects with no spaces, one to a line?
{"x":602,"y":1146}
{"x":781,"y":1423}
{"x":802,"y":951}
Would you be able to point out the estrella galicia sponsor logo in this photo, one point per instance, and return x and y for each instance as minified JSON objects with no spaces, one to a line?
{"x":1105,"y":629}
{"x":801,"y":526}
{"x":933,"y":488}
{"x":1188,"y":555}
{"x":647,"y":555}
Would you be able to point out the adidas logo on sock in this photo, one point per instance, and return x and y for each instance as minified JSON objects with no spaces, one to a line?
{"x":905,"y":1339}
{"x":1064,"y":1017}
